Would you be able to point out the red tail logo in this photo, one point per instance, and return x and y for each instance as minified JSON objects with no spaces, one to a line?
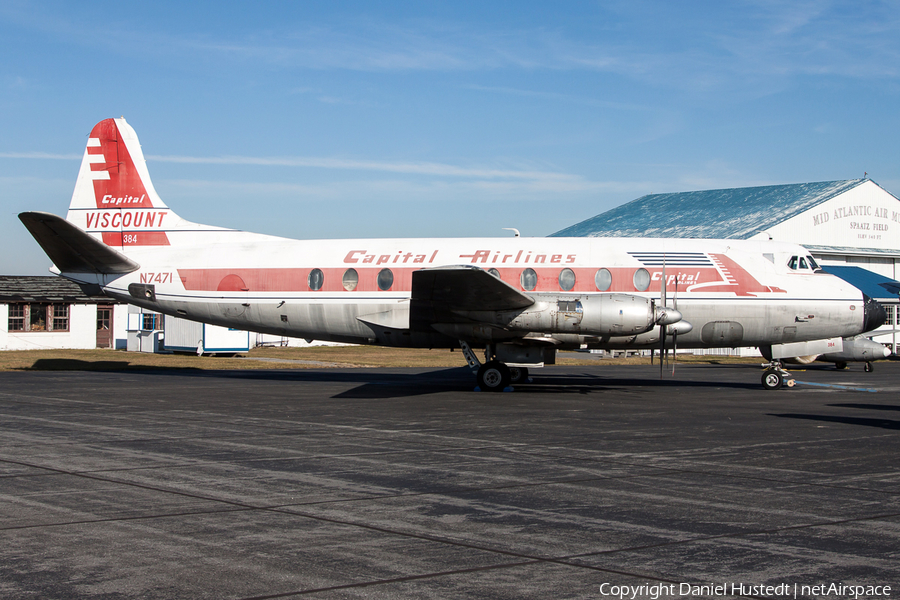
{"x":117,"y":183}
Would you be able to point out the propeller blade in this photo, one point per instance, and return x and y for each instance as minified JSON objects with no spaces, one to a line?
{"x":675,"y":333}
{"x":662,"y":326}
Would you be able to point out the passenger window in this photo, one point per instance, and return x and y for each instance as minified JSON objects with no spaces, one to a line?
{"x":641,"y":280}
{"x":494,"y":272}
{"x":603,"y":280}
{"x":385,"y":280}
{"x":350,"y":280}
{"x":566,"y":279}
{"x":316,"y":279}
{"x":528,"y":279}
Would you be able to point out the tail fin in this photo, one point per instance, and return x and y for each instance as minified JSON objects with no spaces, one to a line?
{"x":114,"y":199}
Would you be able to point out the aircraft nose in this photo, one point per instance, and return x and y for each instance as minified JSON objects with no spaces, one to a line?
{"x":874,"y":315}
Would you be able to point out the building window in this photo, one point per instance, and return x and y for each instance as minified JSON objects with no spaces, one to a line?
{"x":38,"y":317}
{"x":889,"y":311}
{"x":60,"y":314}
{"x":16,"y":317}
{"x":151,"y":321}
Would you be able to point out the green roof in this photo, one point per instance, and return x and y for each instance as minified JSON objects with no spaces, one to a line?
{"x":737,"y":213}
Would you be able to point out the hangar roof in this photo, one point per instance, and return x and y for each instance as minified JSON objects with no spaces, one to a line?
{"x":737,"y":213}
{"x":871,"y":284}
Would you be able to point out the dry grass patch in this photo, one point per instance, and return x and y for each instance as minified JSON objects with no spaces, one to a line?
{"x":286,"y":358}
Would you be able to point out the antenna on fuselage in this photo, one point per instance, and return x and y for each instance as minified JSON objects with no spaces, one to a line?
{"x":513,"y":229}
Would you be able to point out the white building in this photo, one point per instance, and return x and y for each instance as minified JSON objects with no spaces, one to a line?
{"x":50,"y":312}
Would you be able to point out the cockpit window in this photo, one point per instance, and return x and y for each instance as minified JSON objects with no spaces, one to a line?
{"x":805,"y":263}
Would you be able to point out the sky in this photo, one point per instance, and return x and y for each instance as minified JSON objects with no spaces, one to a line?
{"x":337,"y":119}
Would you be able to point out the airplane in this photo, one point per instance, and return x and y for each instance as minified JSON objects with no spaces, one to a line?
{"x":855,"y":349}
{"x":522,"y":299}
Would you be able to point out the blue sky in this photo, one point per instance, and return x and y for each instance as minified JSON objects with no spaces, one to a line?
{"x":401,"y":119}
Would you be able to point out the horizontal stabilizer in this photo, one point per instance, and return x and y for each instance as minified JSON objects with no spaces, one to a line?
{"x":71,"y":249}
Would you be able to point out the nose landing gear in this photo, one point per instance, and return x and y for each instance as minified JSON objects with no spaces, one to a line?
{"x":774,"y":377}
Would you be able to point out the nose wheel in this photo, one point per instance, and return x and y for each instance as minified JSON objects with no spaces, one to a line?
{"x":775,"y":377}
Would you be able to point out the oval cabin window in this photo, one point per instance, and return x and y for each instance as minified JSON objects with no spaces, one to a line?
{"x":528,"y":279}
{"x":350,"y":280}
{"x":603,"y":280}
{"x":641,"y":280}
{"x":385,"y":280}
{"x":316,"y":279}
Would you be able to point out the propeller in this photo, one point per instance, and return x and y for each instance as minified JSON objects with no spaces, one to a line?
{"x":666,"y":317}
{"x":675,"y":329}
{"x":662,"y":328}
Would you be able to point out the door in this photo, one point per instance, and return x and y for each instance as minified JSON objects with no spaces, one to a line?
{"x":104,"y":326}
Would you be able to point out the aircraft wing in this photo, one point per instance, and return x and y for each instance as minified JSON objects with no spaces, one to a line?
{"x":440,"y":292}
{"x":466,"y":288}
{"x":71,"y":249}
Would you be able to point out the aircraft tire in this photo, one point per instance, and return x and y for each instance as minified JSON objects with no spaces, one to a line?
{"x":493,"y":376}
{"x":518,"y":375}
{"x":868,"y":368}
{"x":772,"y":379}
{"x":840,"y":365}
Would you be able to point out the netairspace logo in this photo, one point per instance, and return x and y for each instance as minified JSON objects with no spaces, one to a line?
{"x":783,"y":590}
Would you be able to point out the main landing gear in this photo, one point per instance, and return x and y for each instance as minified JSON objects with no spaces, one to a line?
{"x":493,"y":375}
{"x":868,"y":368}
{"x":774,"y":377}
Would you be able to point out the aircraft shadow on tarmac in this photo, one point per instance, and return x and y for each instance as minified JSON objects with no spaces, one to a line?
{"x":889,"y":424}
{"x":394,"y":383}
{"x":867,"y":406}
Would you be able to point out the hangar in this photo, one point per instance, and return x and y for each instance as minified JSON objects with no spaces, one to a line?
{"x":851,"y":227}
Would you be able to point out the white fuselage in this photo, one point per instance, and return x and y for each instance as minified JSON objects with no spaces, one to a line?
{"x":733,"y":293}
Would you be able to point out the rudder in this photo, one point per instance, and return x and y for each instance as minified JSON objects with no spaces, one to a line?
{"x":114,"y":199}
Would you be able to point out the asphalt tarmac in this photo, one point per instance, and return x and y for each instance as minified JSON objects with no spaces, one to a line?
{"x":404,"y":483}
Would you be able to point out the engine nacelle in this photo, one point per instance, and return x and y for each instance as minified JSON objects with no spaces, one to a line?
{"x":601,"y":315}
{"x":857,"y":350}
{"x":621,"y":314}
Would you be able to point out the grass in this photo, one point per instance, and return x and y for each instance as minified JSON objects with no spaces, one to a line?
{"x":285,"y":358}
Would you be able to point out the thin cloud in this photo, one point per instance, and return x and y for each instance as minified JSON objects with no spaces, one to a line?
{"x":425,"y":168}
{"x":40,"y":155}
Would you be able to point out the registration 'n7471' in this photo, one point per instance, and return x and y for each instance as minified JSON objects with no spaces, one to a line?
{"x":156,"y":277}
